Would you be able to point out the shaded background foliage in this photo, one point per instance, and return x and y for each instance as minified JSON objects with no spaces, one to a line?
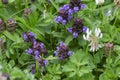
{"x":83,"y":64}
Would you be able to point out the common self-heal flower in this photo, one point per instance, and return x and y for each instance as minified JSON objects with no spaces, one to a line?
{"x":66,"y":11}
{"x":98,"y":2}
{"x":41,"y":61}
{"x":93,"y":39}
{"x":77,"y":28}
{"x":11,"y":23}
{"x":62,"y":51}
{"x":29,"y":36}
{"x":27,"y":12}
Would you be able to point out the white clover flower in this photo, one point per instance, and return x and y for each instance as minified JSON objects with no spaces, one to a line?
{"x":98,"y":2}
{"x":93,"y":39}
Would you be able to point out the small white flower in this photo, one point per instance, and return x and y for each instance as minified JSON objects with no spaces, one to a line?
{"x":93,"y":39}
{"x":108,"y":13}
{"x":98,"y":2}
{"x":88,"y":34}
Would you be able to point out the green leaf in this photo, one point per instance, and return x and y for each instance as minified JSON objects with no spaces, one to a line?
{"x":39,"y":35}
{"x":12,"y":63}
{"x":68,"y":39}
{"x":10,"y":1}
{"x":9,"y":35}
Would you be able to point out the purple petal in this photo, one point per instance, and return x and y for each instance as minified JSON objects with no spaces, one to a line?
{"x":32,"y":34}
{"x":41,"y":45}
{"x":85,"y":29}
{"x":24,"y":36}
{"x":36,"y":53}
{"x":58,"y":19}
{"x":64,"y":22}
{"x":61,"y":58}
{"x":75,"y":35}
{"x":33,"y":71}
{"x":69,"y":17}
{"x":66,"y":7}
{"x":45,"y":62}
{"x":83,"y":6}
{"x":69,"y":53}
{"x":34,"y":42}
{"x":76,"y":9}
{"x":62,"y":44}
{"x":69,"y":30}
{"x":29,"y":51}
{"x":56,"y":53}
{"x":70,"y":11}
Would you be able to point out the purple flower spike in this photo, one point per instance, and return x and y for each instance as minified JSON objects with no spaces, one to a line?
{"x":82,"y":6}
{"x":45,"y":62}
{"x":62,"y":52}
{"x":64,"y":22}
{"x":85,"y":29}
{"x":29,"y":51}
{"x":76,"y":9}
{"x":75,"y":35}
{"x":70,"y":53}
{"x":29,"y":36}
{"x":69,"y":30}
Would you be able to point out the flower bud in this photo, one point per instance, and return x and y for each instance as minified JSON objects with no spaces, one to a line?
{"x":108,"y":48}
{"x":27,"y":12}
{"x":11,"y":24}
{"x":2,"y":25}
{"x":5,"y":1}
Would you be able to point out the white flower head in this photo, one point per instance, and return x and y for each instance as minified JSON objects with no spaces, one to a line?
{"x":93,"y":39}
{"x":99,"y":2}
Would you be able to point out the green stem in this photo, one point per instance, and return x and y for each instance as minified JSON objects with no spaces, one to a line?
{"x":87,"y":49}
{"x":115,"y":19}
